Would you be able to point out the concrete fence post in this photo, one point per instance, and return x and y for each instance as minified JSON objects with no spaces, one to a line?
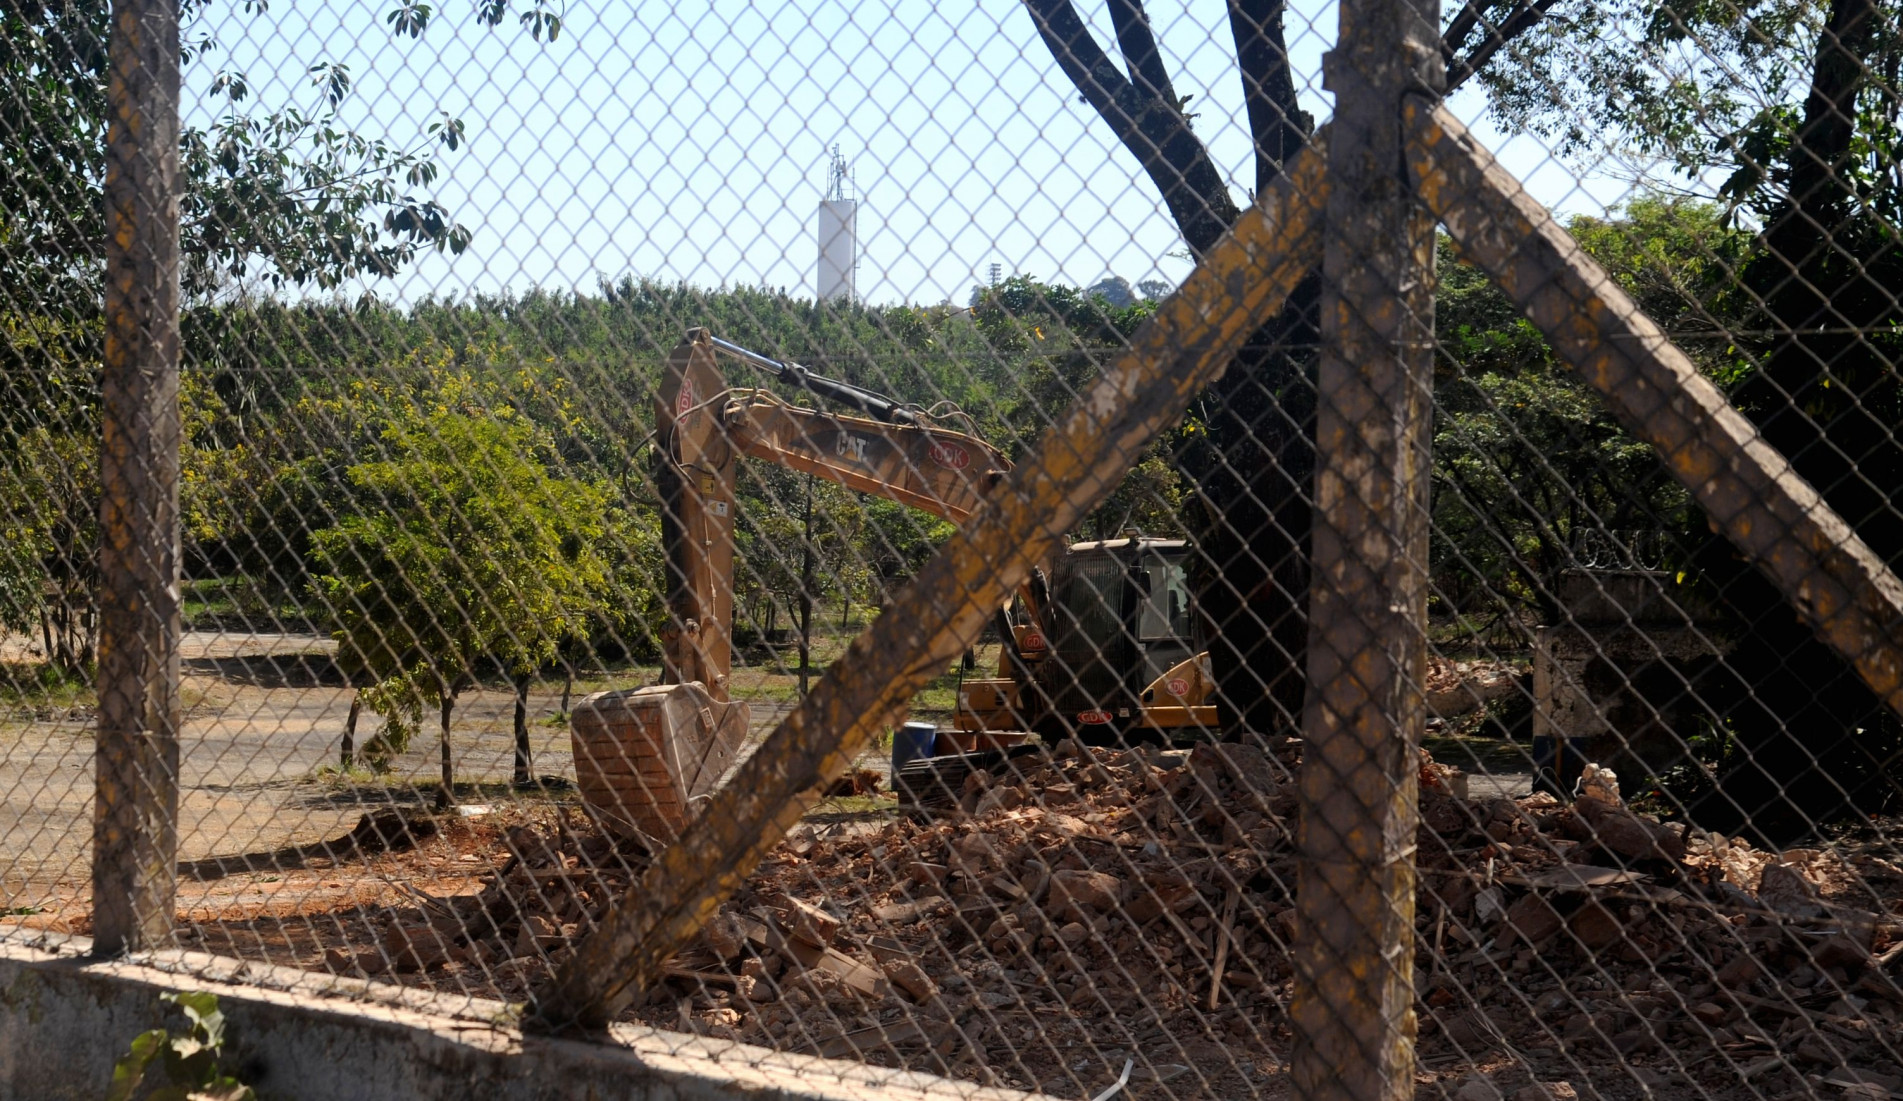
{"x":1353,"y":1008}
{"x":135,"y":816}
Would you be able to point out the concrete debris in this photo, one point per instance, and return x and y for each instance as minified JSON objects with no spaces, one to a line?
{"x":1601,"y":785}
{"x":806,"y":922}
{"x":1089,"y":910}
{"x":1786,"y":889}
{"x":1455,"y":688}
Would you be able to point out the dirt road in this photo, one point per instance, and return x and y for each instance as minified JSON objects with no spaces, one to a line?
{"x":264,"y":715}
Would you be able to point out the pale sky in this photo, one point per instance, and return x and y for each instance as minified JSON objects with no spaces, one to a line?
{"x":684,"y":141}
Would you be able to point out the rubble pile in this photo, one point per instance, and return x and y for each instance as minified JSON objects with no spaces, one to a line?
{"x":1588,"y":935}
{"x":1453,"y":688}
{"x":1087,"y":906}
{"x":555,"y":883}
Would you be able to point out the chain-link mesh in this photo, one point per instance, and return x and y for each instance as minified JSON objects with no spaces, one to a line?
{"x":563,"y":390}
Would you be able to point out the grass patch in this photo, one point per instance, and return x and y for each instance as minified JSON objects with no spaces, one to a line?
{"x":773,"y":679}
{"x":239,"y":603}
{"x":854,"y":808}
{"x":338,"y":776}
{"x":42,"y":684}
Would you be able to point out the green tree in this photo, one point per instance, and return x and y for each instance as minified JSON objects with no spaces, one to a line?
{"x":1060,"y":337}
{"x":1808,"y":143}
{"x":897,"y":541}
{"x":1250,"y":458}
{"x":49,"y":488}
{"x":1526,"y":458}
{"x":289,"y":196}
{"x":471,"y":549}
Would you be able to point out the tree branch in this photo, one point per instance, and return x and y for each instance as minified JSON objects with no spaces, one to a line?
{"x":1082,"y":60}
{"x":1458,"y":29}
{"x":1151,"y":128}
{"x":1276,"y":120}
{"x":1525,"y":16}
{"x":1138,"y":44}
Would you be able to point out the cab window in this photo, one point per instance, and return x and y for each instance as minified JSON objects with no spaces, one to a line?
{"x":1093,"y":598}
{"x":1164,"y":612}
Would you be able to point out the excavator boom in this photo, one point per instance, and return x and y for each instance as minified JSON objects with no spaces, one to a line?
{"x":931,"y":469}
{"x":703,"y":428}
{"x":644,"y":756}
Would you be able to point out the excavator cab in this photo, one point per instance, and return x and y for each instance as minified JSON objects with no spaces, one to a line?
{"x":1119,"y":621}
{"x":1106,"y":651}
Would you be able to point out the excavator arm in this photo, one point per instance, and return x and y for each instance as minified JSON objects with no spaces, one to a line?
{"x":645,"y":756}
{"x":934,"y":470}
{"x":703,"y":428}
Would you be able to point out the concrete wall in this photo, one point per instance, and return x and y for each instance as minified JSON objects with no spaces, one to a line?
{"x":297,"y":1036}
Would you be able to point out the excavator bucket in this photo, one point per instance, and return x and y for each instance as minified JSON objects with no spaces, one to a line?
{"x":646,"y":757}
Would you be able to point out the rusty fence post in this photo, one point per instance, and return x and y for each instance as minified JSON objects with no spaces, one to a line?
{"x":135,"y":814}
{"x":1777,"y":519}
{"x":1353,"y":1007}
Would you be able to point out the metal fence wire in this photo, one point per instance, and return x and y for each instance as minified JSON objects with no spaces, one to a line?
{"x":1231,"y":551}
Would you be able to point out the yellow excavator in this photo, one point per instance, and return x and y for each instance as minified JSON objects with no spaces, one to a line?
{"x":1110,"y":658}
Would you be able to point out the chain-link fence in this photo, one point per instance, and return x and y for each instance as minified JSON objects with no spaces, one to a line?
{"x":982,"y":541}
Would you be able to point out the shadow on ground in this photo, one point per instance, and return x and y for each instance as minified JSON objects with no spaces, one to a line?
{"x":309,"y":670}
{"x":384,"y":831}
{"x":344,"y":793}
{"x":1477,"y":754}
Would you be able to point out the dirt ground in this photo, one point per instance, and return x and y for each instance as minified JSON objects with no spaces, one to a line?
{"x":268,"y":870}
{"x":264,"y":713}
{"x":1656,"y":1004}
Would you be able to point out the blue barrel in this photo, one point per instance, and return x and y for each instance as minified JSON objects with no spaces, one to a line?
{"x":912,"y":741}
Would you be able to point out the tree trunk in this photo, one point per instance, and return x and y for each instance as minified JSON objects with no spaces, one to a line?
{"x":1253,"y":470}
{"x":446,"y":796}
{"x":1253,"y":480}
{"x":347,"y":753}
{"x":1826,"y":396}
{"x":568,"y":684}
{"x":46,"y":634}
{"x":523,"y":766}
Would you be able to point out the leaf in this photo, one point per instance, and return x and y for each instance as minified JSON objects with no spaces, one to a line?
{"x":334,"y":78}
{"x":202,"y":1008}
{"x":129,"y":1072}
{"x":541,"y":22}
{"x":411,"y":18}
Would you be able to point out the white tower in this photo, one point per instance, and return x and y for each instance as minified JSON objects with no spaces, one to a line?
{"x":838,"y":234}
